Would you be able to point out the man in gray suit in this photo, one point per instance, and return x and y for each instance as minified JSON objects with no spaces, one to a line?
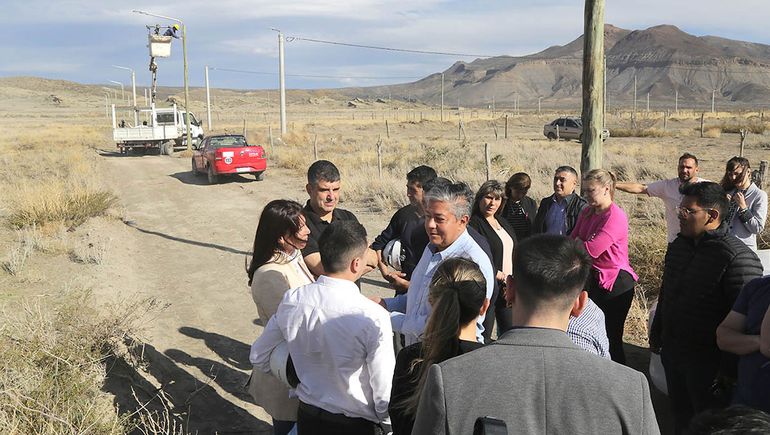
{"x":534,"y":378}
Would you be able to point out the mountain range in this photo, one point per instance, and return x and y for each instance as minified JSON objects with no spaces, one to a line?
{"x":668,"y":64}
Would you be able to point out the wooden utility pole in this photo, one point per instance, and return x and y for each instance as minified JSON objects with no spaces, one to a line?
{"x":743,"y":132}
{"x":593,"y":85}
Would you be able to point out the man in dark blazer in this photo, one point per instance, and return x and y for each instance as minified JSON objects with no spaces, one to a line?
{"x":558,"y":213}
{"x":542,"y":382}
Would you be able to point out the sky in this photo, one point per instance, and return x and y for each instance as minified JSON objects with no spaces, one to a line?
{"x":79,"y":40}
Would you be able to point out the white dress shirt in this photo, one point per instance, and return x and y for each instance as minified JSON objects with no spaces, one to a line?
{"x":341,"y":344}
{"x":410,"y":311}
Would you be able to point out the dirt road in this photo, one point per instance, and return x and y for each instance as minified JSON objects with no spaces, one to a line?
{"x":184,"y":242}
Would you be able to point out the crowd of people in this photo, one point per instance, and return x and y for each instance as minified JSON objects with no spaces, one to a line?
{"x":552,"y":284}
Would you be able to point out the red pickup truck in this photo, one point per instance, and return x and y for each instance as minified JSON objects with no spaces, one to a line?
{"x":226,"y":155}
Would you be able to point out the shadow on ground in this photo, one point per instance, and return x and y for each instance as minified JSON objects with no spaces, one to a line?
{"x":639,"y":358}
{"x":193,"y":405}
{"x":181,"y":240}
{"x":200,"y":179}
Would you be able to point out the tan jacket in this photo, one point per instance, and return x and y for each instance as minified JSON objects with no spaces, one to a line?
{"x":268,"y":286}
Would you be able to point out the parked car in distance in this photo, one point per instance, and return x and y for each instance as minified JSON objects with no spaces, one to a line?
{"x":568,"y":127}
{"x":226,"y":155}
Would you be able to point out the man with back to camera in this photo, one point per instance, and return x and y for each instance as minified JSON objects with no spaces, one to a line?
{"x":339,"y":342}
{"x":543,"y":382}
{"x":704,"y":270}
{"x":323,"y":188}
{"x":558,"y":213}
{"x":447,"y":211}
{"x":670,"y":191}
{"x":403,"y":223}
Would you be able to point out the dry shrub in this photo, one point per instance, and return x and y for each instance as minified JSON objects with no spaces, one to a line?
{"x":53,"y":353}
{"x":70,"y":203}
{"x":640,"y":132}
{"x":713,"y":132}
{"x":754,"y":127}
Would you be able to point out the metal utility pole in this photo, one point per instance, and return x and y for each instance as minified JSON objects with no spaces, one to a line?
{"x":538,"y":104}
{"x":676,"y":101}
{"x":713,"y":93}
{"x":442,"y":97}
{"x":186,"y":83}
{"x":648,"y":102}
{"x":122,"y":90}
{"x":133,"y":89}
{"x":634,"y":97}
{"x":281,"y":82}
{"x":208,"y":99}
{"x":593,"y":85}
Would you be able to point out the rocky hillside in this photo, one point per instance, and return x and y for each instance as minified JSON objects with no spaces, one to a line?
{"x":663,"y":58}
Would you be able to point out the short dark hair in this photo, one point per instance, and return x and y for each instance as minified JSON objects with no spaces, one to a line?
{"x":340,"y":243}
{"x":709,"y":195}
{"x":421,"y":174}
{"x":518,"y":181}
{"x":566,"y":168}
{"x":737,"y":419}
{"x":436,"y":182}
{"x":687,"y":156}
{"x":550,"y":270}
{"x":322,"y":170}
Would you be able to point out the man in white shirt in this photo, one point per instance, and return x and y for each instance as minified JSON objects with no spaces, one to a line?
{"x":670,"y":191}
{"x":339,"y":341}
{"x":447,"y":211}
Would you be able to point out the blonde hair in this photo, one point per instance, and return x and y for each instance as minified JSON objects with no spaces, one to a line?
{"x":603,"y":177}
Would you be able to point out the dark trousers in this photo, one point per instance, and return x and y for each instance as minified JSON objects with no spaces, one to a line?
{"x":689,"y":387}
{"x":312,"y":420}
{"x":615,"y":305}
{"x":282,"y":427}
{"x":489,"y":318}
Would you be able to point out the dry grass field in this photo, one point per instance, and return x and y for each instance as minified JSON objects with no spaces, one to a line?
{"x":66,"y":204}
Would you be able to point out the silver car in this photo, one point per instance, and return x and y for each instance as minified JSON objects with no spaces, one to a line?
{"x":568,"y":127}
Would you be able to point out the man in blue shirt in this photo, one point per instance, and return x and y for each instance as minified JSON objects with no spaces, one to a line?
{"x":558,"y":213}
{"x":447,"y":211}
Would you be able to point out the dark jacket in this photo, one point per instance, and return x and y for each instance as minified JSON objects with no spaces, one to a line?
{"x":575,"y":204}
{"x":403,"y":223}
{"x":530,"y":211}
{"x":495,"y":244}
{"x":700,"y":284}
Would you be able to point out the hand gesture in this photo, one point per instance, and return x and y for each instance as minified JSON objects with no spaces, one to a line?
{"x":740,"y":200}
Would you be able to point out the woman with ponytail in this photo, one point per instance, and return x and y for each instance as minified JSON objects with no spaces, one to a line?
{"x":457,"y":297}
{"x":277,"y":266}
{"x":603,"y":228}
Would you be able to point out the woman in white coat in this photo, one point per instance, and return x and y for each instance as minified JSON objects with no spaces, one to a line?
{"x":277,"y":266}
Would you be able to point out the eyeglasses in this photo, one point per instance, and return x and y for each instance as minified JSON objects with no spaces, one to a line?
{"x":686,"y":212}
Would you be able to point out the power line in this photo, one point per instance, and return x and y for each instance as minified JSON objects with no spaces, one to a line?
{"x":316,"y":76}
{"x":374,"y":47}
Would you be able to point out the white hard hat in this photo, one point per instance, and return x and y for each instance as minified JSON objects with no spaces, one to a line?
{"x":393,"y":255}
{"x":278,"y":361}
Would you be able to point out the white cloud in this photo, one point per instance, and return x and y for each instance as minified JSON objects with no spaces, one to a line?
{"x":40,"y":67}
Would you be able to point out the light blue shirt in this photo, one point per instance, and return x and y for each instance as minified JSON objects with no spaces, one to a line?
{"x":556,"y":217}
{"x":410,"y":311}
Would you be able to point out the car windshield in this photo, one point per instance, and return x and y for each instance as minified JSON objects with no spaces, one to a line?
{"x":228,"y":142}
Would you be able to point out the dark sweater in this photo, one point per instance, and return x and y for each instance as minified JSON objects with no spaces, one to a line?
{"x":405,"y":380}
{"x":402,"y":225}
{"x":575,"y":204}
{"x":521,"y":216}
{"x":481,"y":225}
{"x":700,"y":284}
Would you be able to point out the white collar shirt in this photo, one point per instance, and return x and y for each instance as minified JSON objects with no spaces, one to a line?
{"x":341,"y":344}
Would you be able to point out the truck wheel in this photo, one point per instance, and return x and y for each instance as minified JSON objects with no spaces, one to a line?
{"x":194,"y":168}
{"x":580,"y":138}
{"x":213,"y":178}
{"x":259,"y":176}
{"x":551,"y":136}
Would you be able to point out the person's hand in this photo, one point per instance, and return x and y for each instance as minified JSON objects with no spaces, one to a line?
{"x":740,"y":200}
{"x":379,"y":301}
{"x":383,"y":269}
{"x":500,"y":276}
{"x":397,"y":280}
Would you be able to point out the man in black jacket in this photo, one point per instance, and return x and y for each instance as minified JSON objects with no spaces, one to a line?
{"x":558,"y":213}
{"x":406,"y":220}
{"x":704,"y":270}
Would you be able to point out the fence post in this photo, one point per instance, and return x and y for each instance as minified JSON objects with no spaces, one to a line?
{"x":665,"y":120}
{"x":315,"y":147}
{"x":744,"y":133}
{"x":379,"y":157}
{"x":387,"y":129}
{"x":494,"y":127}
{"x":762,"y":173}
{"x":270,"y":137}
{"x":487,"y":162}
{"x":701,"y":123}
{"x":506,"y":126}
{"x":244,"y":127}
{"x":557,"y":131}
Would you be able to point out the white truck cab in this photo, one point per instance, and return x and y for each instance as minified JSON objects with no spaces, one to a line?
{"x":162,"y":128}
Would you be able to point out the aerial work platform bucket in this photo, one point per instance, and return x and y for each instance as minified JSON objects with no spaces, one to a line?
{"x":160,"y":46}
